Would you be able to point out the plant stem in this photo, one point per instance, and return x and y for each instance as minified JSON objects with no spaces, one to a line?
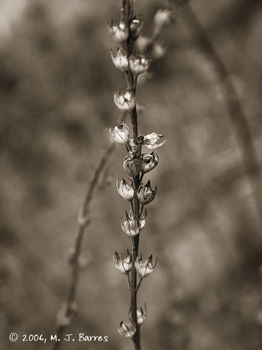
{"x":127,"y":14}
{"x":133,"y":306}
{"x":68,"y":310}
{"x":238,"y":119}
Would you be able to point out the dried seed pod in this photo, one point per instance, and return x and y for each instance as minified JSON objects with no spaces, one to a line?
{"x":149,"y":161}
{"x":132,"y":226}
{"x":126,"y":330}
{"x":125,"y":190}
{"x":119,"y":31}
{"x":151,"y":141}
{"x":120,"y":133}
{"x":144,"y":269}
{"x":123,"y":264}
{"x":132,"y":165}
{"x":141,"y":315}
{"x":138,"y":64}
{"x":120,"y":59}
{"x":125,"y":101}
{"x":146,"y":194}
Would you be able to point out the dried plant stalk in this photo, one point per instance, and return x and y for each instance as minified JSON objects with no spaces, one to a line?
{"x":127,"y":33}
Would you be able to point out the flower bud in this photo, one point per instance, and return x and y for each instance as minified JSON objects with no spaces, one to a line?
{"x":125,"y":101}
{"x":126,"y":330}
{"x":146,"y":194}
{"x":125,"y":190}
{"x":120,"y":133}
{"x":132,"y":165}
{"x":138,"y":64}
{"x":119,"y":32}
{"x":144,"y":269}
{"x":136,"y":26}
{"x":141,"y":315}
{"x":120,"y":60}
{"x":123,"y":264}
{"x":151,"y":141}
{"x":149,"y":161}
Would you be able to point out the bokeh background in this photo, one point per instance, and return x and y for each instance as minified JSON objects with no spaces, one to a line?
{"x":56,"y":88}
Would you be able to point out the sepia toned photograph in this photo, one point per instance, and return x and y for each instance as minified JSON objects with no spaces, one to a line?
{"x":130,"y":174}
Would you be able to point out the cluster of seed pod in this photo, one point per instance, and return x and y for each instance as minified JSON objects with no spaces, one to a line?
{"x":137,"y":162}
{"x":136,"y":166}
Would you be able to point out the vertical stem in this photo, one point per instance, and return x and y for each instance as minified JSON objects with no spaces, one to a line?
{"x":131,"y":80}
{"x":133,"y":306}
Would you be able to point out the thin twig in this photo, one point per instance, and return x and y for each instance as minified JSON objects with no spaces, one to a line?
{"x":68,"y":309}
{"x":238,"y":119}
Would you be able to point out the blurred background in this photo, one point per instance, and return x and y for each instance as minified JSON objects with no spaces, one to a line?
{"x":56,"y":86}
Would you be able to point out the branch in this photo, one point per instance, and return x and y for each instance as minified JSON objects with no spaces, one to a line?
{"x":238,"y":119}
{"x":68,"y":309}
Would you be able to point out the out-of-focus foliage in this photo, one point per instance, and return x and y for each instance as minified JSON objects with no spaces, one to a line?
{"x":56,"y":88}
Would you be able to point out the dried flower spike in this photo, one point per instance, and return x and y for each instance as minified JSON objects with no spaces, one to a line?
{"x":120,"y":133}
{"x":125,"y":190}
{"x":125,"y":101}
{"x":131,"y":59}
{"x":126,"y":330}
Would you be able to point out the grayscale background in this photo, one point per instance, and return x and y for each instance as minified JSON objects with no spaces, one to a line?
{"x":56,"y":87}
